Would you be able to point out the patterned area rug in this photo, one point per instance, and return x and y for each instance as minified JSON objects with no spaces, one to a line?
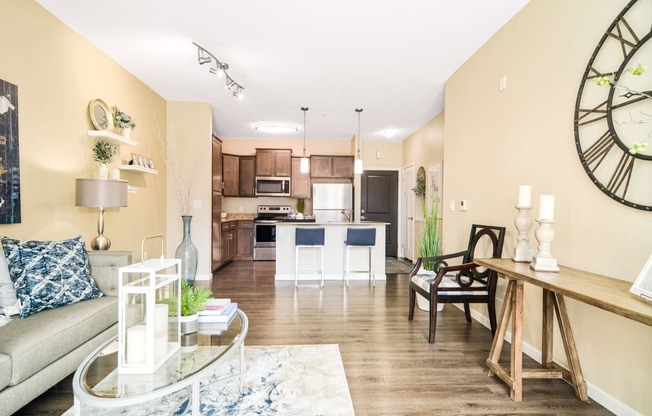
{"x":279,"y":380}
{"x":394,"y":265}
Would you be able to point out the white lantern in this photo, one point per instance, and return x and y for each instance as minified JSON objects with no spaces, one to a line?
{"x":148,"y":314}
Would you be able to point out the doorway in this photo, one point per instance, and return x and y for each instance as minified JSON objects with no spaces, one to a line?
{"x":407,"y":215}
{"x":379,"y":202}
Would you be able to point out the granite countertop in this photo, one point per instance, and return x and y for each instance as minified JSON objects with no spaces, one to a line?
{"x":239,"y":216}
{"x":335,"y":223}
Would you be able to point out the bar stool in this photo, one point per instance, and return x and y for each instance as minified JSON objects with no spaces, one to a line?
{"x":359,"y":237}
{"x":308,"y":238}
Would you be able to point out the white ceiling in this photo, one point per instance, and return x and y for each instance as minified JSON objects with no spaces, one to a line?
{"x":389,"y":57}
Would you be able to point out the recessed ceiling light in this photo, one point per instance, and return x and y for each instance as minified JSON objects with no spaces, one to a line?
{"x":276,"y":127}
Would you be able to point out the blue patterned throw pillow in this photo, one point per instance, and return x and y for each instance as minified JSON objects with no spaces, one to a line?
{"x":48,"y":274}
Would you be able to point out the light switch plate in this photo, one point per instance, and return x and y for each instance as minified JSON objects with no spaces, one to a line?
{"x":464,"y":205}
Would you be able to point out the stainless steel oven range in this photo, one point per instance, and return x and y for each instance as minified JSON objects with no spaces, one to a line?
{"x":265,"y":229}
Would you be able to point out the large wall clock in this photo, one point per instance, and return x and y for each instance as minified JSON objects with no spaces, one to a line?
{"x":613,"y":123}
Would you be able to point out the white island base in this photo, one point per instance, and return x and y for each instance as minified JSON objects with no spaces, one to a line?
{"x":334,"y":237}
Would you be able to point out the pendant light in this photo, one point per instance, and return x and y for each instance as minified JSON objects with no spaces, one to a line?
{"x":357,"y":167}
{"x":304,"y":165}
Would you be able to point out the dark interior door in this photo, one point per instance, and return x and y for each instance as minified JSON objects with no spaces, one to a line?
{"x":379,"y":202}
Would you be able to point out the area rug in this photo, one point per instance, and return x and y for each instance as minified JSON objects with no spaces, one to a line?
{"x":394,"y":266}
{"x":279,"y":380}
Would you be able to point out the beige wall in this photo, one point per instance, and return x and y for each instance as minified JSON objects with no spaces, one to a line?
{"x":190,"y":127}
{"x":57,"y":73}
{"x":495,"y":141}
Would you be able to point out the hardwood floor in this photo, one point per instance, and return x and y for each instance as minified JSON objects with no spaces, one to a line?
{"x":390,"y":367}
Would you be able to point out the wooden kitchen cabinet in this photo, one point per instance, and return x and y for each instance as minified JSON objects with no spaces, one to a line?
{"x":229,"y":240}
{"x":331,"y":166}
{"x":273,"y":162}
{"x":216,"y":158}
{"x":231,"y":174}
{"x":245,"y":240}
{"x":300,"y":183}
{"x":247,"y":176}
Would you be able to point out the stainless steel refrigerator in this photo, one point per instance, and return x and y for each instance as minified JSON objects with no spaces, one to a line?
{"x":330,"y":199}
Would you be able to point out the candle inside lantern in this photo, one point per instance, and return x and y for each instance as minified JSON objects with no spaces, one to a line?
{"x":136,"y":344}
{"x":524,"y":195}
{"x":161,"y":318}
{"x":547,"y":207}
{"x":160,"y":346}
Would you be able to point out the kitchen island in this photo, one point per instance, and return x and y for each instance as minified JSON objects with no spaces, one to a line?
{"x":334,"y":236}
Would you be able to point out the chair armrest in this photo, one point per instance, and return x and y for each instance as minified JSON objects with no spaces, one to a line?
{"x":438,"y":260}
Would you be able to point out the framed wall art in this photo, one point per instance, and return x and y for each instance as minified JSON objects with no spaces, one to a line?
{"x":643,"y":284}
{"x":9,"y":155}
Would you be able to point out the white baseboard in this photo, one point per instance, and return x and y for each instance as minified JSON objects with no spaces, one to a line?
{"x":598,"y":395}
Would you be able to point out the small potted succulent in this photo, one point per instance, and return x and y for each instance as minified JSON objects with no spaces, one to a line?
{"x":123,"y":122}
{"x":103,"y":154}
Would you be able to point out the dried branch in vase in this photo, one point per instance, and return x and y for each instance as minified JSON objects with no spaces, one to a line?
{"x":169,"y":154}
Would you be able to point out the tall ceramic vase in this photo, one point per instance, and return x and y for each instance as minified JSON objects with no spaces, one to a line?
{"x":187,"y":253}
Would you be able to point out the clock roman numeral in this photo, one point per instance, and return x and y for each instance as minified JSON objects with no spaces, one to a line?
{"x":597,"y":74}
{"x":622,"y":175}
{"x":598,"y":112}
{"x":598,"y":150}
{"x":624,"y":34}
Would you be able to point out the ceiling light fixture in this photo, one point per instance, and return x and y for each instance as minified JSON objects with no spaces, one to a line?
{"x":304,"y":165}
{"x":276,"y":127}
{"x":357,"y":167}
{"x":205,"y":57}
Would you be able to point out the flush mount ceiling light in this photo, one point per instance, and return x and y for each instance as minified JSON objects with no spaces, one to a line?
{"x":219,"y":69}
{"x":304,"y":164}
{"x":357,"y":167}
{"x":276,"y":127}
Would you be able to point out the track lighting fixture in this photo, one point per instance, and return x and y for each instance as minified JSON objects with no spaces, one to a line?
{"x":357,"y":167}
{"x":219,"y":69}
{"x":304,"y":164}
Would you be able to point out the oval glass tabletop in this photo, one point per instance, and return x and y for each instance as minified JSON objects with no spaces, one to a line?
{"x":97,"y":378}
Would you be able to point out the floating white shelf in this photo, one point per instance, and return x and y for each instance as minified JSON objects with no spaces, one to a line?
{"x":132,"y":189}
{"x":140,"y":169}
{"x":112,"y":138}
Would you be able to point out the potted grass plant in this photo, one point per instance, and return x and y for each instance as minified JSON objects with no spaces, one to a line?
{"x":193,"y":299}
{"x":430,"y":244}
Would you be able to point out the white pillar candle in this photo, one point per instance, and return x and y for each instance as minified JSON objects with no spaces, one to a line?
{"x":161,"y":318}
{"x":136,"y":344}
{"x":160,"y":346}
{"x":547,"y":207}
{"x":524,"y":195}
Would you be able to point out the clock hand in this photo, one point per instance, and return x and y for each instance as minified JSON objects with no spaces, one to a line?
{"x":643,"y":95}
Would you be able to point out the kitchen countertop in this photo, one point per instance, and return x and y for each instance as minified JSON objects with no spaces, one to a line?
{"x":355,"y":223}
{"x":239,"y":217}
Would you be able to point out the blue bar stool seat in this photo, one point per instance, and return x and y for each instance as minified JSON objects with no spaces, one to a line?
{"x":359,"y":237}
{"x":308,"y":238}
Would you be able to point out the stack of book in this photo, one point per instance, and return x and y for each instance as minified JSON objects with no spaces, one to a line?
{"x":217,"y":315}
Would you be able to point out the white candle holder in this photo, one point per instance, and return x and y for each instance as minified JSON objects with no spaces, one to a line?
{"x":543,"y":261}
{"x":523,"y":222}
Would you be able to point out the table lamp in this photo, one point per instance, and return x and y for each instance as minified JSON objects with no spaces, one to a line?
{"x":102,"y":194}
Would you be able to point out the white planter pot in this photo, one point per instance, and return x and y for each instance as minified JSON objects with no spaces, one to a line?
{"x":103,"y":172}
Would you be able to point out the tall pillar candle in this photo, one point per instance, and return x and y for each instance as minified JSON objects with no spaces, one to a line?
{"x":524,"y":195}
{"x":136,"y":344}
{"x":161,"y":318}
{"x":547,"y":207}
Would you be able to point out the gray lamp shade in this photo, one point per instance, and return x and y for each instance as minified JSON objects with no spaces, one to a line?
{"x":100,"y":193}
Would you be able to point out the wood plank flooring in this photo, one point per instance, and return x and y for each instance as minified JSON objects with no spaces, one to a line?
{"x":391,"y":369}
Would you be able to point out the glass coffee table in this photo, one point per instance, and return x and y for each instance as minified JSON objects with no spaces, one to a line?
{"x":97,"y":384}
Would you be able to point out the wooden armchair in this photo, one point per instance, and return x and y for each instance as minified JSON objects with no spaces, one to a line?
{"x":460,"y":283}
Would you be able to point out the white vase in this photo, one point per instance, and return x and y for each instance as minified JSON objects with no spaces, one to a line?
{"x":189,"y":324}
{"x":126,"y":133}
{"x":103,"y":172}
{"x":115,"y":174}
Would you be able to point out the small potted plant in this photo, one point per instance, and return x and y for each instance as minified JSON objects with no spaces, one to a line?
{"x":123,"y":122}
{"x":193,"y":299}
{"x":103,"y":154}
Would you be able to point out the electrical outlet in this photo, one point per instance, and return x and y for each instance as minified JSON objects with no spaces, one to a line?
{"x":451,"y":205}
{"x":241,"y":208}
{"x":196,"y":203}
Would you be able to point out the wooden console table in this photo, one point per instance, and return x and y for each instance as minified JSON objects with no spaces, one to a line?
{"x":603,"y":292}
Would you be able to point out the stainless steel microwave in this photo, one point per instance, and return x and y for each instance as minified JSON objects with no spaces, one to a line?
{"x":270,"y":186}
